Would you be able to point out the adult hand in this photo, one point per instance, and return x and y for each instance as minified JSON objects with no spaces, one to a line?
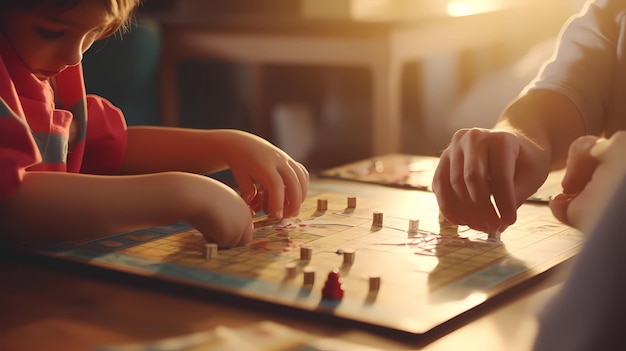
{"x":484,"y":164}
{"x":594,"y":168}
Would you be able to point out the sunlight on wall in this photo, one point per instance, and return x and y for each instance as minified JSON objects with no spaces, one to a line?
{"x":373,"y":10}
{"x":471,"y":7}
{"x":366,"y":8}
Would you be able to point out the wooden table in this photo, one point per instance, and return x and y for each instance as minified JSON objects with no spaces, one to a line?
{"x":55,"y":307}
{"x":51,"y":305}
{"x":383,"y":41}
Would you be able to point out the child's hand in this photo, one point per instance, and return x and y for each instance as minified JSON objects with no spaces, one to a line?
{"x":220,"y":213}
{"x":90,"y":206}
{"x":283,"y":180}
{"x":594,"y":168}
{"x":252,"y":160}
{"x":481,"y":163}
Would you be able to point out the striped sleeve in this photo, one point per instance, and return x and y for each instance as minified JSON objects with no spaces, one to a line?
{"x":18,"y":151}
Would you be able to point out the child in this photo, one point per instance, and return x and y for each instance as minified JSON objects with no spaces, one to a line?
{"x":70,"y":169}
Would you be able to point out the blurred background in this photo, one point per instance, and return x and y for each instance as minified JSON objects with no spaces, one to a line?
{"x":329,"y":81}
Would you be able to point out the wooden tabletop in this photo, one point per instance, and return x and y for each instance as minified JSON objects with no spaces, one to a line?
{"x":53,"y":306}
{"x":61,"y":308}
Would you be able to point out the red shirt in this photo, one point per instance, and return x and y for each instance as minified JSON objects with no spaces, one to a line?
{"x":52,"y":125}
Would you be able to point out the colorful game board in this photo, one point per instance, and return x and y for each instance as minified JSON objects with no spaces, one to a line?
{"x":393,"y":276}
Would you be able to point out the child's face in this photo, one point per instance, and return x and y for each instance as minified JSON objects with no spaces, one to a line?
{"x":48,"y":43}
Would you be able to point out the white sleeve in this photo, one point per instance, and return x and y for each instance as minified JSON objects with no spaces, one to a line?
{"x":589,"y":65}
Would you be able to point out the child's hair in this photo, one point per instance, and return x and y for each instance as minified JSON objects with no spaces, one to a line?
{"x":120,"y":10}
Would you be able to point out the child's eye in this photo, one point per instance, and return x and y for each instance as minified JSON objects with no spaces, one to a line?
{"x":49,"y":34}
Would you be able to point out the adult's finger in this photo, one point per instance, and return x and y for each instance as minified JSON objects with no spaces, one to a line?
{"x":580,"y":165}
{"x":502,"y":168}
{"x":559,"y":205}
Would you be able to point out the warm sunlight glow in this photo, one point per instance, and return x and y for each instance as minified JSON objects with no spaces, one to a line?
{"x":470,"y":7}
{"x":459,"y":8}
{"x":401,"y":10}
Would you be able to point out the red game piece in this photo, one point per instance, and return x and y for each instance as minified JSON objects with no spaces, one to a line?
{"x":333,"y":290}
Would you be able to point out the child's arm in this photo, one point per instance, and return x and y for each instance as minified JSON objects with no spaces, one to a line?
{"x":64,"y":206}
{"x":251,"y":159}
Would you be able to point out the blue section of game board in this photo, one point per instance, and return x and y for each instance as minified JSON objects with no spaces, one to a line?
{"x":491,"y":276}
{"x":125,"y":240}
{"x":484,"y":279}
{"x":414,"y":317}
{"x":145,"y":265}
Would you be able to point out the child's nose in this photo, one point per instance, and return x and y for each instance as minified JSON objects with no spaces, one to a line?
{"x":71,"y":54}
{"x":74,"y":57}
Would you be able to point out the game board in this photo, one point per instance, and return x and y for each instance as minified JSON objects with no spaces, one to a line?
{"x":425,"y":277}
{"x":396,"y":170}
{"x":416,"y":172}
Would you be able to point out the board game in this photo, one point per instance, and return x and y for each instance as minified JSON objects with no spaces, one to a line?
{"x":416,"y":172}
{"x":400,"y":268}
{"x":395,"y":170}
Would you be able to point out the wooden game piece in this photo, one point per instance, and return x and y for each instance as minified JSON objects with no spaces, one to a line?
{"x":210,"y":251}
{"x":290,"y":270}
{"x":308,"y":276}
{"x":348,"y":256}
{"x":377,"y":219}
{"x":446,"y":227}
{"x":414,"y":225}
{"x":306,"y":252}
{"x":333,"y":289}
{"x":374,"y":282}
{"x":351,"y":202}
{"x":322,"y":204}
{"x":495,"y":236}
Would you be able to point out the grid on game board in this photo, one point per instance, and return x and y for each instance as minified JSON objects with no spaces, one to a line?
{"x":274,"y":246}
{"x":327,"y":231}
